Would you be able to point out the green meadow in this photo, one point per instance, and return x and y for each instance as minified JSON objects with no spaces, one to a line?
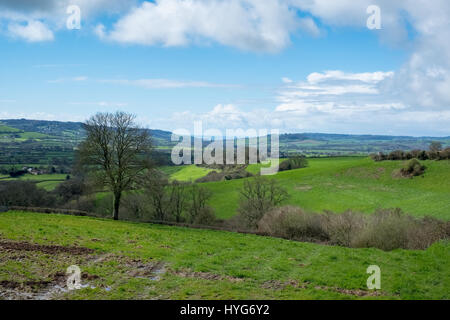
{"x":356,"y":183}
{"x":144,"y":261}
{"x":189,"y":173}
{"x":46,"y":181}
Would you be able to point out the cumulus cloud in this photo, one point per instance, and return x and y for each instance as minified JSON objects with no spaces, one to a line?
{"x":423,"y":26}
{"x":330,"y":101}
{"x":36,"y":21}
{"x":32,"y":31}
{"x":245,"y":24}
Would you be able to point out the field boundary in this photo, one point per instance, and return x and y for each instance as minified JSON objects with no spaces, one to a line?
{"x":157,"y":222}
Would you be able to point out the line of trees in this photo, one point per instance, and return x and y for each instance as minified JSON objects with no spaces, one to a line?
{"x":435,"y":152}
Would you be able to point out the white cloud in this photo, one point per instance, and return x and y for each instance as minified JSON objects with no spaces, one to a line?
{"x":75,"y":79}
{"x":369,"y":77}
{"x":32,"y":31}
{"x":245,"y":24}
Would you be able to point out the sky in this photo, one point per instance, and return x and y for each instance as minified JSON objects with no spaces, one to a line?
{"x":292,"y":65}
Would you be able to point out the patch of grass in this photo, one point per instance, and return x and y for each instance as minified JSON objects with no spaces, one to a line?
{"x":33,"y":135}
{"x":6,"y":129}
{"x":42,"y":177}
{"x":49,"y":185}
{"x":204,"y":264}
{"x":169,"y":170}
{"x":189,"y":173}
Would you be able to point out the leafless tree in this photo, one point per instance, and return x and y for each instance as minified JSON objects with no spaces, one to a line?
{"x":258,"y":196}
{"x":117,"y":151}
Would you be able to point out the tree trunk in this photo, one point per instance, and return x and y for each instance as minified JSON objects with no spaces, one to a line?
{"x":117,"y":197}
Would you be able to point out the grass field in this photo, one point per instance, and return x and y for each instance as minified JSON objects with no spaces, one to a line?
{"x":6,"y":129}
{"x":189,"y":173}
{"x":357,"y":183}
{"x":49,"y":185}
{"x":143,"y":261}
{"x":47,"y":181}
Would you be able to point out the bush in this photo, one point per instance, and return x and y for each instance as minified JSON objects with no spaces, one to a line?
{"x":25,"y":193}
{"x":296,"y":162}
{"x":412,"y":168}
{"x":293,"y":223}
{"x":342,"y":228}
{"x":387,"y":229}
{"x":205,"y":217}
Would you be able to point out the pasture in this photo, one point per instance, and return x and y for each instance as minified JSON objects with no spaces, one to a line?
{"x":356,"y":183}
{"x":124,"y":260}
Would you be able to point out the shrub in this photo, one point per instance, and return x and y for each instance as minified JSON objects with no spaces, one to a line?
{"x":444,"y":154}
{"x":342,"y":228}
{"x":205,"y":216}
{"x":211,"y":177}
{"x":412,"y":168}
{"x":296,"y":162}
{"x":293,"y":223}
{"x":25,"y":193}
{"x":387,"y":229}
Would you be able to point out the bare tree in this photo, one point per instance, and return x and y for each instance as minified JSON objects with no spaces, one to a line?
{"x":178,"y":199}
{"x":117,"y":150}
{"x":258,"y":196}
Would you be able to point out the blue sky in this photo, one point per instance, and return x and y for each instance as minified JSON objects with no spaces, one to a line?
{"x":292,"y":65}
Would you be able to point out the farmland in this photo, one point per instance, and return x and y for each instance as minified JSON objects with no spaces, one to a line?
{"x":356,"y":183}
{"x":125,"y":260}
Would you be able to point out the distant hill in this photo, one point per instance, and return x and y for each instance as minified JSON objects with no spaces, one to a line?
{"x":41,"y":142}
{"x":64,"y":129}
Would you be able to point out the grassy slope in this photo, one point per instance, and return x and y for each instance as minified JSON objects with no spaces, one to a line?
{"x":257,"y":261}
{"x":47,"y":181}
{"x":6,"y":129}
{"x":358,"y":183}
{"x":189,"y":173}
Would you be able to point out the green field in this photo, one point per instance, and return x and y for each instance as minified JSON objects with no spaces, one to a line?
{"x":143,"y":261}
{"x":49,"y":185}
{"x":339,"y":184}
{"x":47,"y":181}
{"x":6,"y":129}
{"x":189,"y":173}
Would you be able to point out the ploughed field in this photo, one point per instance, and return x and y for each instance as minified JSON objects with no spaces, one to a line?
{"x":122,"y":260}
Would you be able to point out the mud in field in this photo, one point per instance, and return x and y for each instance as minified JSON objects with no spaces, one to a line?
{"x":51,"y":282}
{"x":33,"y":290}
{"x":49,"y":249}
{"x":279,"y":285}
{"x":203,"y":275}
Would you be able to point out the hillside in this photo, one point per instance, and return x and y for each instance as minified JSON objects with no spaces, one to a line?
{"x":356,"y":183}
{"x":121,"y":260}
{"x":52,"y":142}
{"x":39,"y":142}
